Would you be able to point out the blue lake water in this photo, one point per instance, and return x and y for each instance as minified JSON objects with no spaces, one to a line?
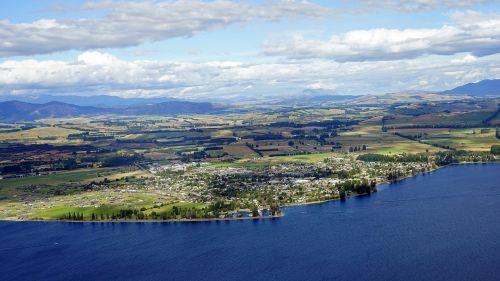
{"x":443,"y":225}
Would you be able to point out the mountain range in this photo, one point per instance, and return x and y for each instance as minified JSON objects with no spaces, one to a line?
{"x":28,"y":108}
{"x":95,"y":100}
{"x":14,"y":111}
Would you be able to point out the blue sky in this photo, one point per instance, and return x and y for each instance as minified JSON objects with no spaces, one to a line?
{"x":244,"y":50}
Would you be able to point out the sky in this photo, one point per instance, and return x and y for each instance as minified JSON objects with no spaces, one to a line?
{"x":228,"y":50}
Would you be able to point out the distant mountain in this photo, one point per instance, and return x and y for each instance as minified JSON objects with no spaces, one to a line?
{"x":171,"y":107}
{"x":312,"y":96}
{"x":96,"y":101}
{"x":321,"y":95}
{"x":479,"y":89}
{"x":13,"y":111}
{"x":403,"y":97}
{"x":21,"y":111}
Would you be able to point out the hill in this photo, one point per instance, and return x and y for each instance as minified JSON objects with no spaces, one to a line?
{"x":479,"y":89}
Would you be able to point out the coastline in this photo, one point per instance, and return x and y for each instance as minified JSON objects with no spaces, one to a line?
{"x":356,"y":195}
{"x":145,"y":221}
{"x":282,"y":214}
{"x":387,"y":182}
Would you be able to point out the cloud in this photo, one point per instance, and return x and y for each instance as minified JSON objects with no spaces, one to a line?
{"x":419,"y":5}
{"x":100,"y":73}
{"x":474,"y":33}
{"x":466,"y":59}
{"x":133,"y":23}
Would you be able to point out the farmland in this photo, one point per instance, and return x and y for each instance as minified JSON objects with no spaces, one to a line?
{"x":226,"y":164}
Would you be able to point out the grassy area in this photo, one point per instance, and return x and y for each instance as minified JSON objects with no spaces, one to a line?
{"x":473,"y":118}
{"x":183,"y":205}
{"x":473,"y":139}
{"x":381,"y":142}
{"x":249,"y":163}
{"x":10,"y":188}
{"x":39,"y":134}
{"x":98,"y":202}
{"x":311,"y":158}
{"x":55,"y":178}
{"x":58,"y":212}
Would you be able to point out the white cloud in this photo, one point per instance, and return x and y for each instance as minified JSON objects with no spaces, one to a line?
{"x":473,"y":32}
{"x":419,"y":5}
{"x":97,"y":58}
{"x":133,"y":23}
{"x":323,"y":85}
{"x":466,"y":59}
{"x":100,"y":73}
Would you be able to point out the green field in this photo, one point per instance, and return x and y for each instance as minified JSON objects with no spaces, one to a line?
{"x":378,"y":141}
{"x":64,"y":180}
{"x":58,"y":212}
{"x":472,"y":139}
{"x":315,"y":157}
{"x":55,"y":178}
{"x":183,"y":205}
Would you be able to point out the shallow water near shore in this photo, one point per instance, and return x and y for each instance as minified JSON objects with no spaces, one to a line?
{"x":442,"y":225}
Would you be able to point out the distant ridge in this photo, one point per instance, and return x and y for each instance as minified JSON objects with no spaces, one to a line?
{"x":404,"y":97}
{"x":171,"y":107}
{"x":96,"y":101}
{"x":479,"y":89}
{"x":14,"y":111}
{"x":321,"y":95}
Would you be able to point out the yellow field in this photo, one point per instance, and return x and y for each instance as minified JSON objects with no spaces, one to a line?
{"x":38,"y":134}
{"x":137,"y":174}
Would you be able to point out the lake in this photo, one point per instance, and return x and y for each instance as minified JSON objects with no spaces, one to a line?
{"x":443,"y":225}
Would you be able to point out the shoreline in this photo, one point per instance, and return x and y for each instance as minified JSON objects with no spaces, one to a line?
{"x":145,"y":221}
{"x":356,"y":195}
{"x":282,"y":214}
{"x":387,"y":182}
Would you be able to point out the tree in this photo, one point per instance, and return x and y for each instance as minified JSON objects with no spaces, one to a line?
{"x":255,"y":211}
{"x":342,"y":194}
{"x":140,"y":216}
{"x":154,"y":215}
{"x":495,"y":149}
{"x":274,"y":207}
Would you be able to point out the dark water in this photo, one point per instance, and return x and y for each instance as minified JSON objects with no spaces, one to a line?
{"x":440,"y":226}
